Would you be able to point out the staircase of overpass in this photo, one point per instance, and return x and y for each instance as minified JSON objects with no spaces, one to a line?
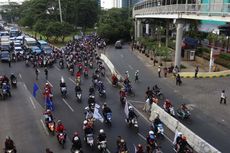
{"x":213,"y":10}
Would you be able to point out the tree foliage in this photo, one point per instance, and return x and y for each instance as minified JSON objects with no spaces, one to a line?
{"x":115,"y":24}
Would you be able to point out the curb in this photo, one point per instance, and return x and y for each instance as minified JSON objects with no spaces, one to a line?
{"x":204,"y":75}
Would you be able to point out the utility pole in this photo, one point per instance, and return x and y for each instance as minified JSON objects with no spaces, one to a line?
{"x":59,"y":3}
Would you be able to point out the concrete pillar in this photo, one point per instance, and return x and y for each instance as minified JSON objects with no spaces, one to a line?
{"x":135,"y":29}
{"x":167,"y":33}
{"x":139,"y":29}
{"x":147,"y":29}
{"x":179,"y":35}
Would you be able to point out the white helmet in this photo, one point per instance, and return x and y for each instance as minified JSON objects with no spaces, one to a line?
{"x":47,"y":83}
{"x":130,"y":107}
{"x":151,"y":133}
{"x":85,"y":122}
{"x":127,"y":72}
{"x":101,"y":131}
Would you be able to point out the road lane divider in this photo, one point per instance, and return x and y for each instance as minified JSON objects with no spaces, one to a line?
{"x":20,"y":76}
{"x":25,"y":86}
{"x":44,"y":127}
{"x":72,"y":80}
{"x":50,"y":83}
{"x":68,"y":105}
{"x":32,"y":102}
{"x":57,"y":68}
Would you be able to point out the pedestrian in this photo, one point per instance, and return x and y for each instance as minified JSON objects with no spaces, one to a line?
{"x":154,"y":61}
{"x":178,"y":80}
{"x":46,"y":73}
{"x":159,"y":71}
{"x":136,"y":75}
{"x":175,"y":71}
{"x":196,"y":72}
{"x":48,"y":150}
{"x":36,"y":72}
{"x":223,"y":97}
{"x":165,"y":71}
{"x":9,"y":62}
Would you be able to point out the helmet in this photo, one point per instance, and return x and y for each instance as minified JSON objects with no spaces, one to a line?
{"x":122,"y":140}
{"x":137,"y":70}
{"x":130,"y":107}
{"x":47,"y":83}
{"x":59,"y":121}
{"x":105,"y":103}
{"x":85,"y":122}
{"x":101,"y":131}
{"x":48,"y":111}
{"x":139,"y":146}
{"x":151,"y":132}
{"x":127,"y":72}
{"x":75,"y":138}
{"x":75,"y":134}
{"x":179,"y":134}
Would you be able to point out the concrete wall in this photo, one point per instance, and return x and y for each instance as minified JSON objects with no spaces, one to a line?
{"x":198,"y":144}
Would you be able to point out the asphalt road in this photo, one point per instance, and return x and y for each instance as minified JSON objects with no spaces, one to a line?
{"x":204,"y":121}
{"x":30,"y":130}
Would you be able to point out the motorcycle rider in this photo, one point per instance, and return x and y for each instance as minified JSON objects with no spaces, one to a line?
{"x":61,"y":63}
{"x":101,"y":86}
{"x":101,"y":137}
{"x":12,"y":77}
{"x":76,"y":142}
{"x":139,"y":149}
{"x":156,"y":122}
{"x":151,"y":140}
{"x":156,"y":89}
{"x":62,"y":84}
{"x":6,"y":86}
{"x":136,"y":75}
{"x":105,"y":111}
{"x":48,"y":116}
{"x":149,"y":92}
{"x":77,"y":88}
{"x":131,"y":114}
{"x":183,"y":145}
{"x":127,"y":75}
{"x":121,"y":146}
{"x":167,"y":105}
{"x":86,"y":71}
{"x":114,"y":79}
{"x":183,"y":109}
{"x":91,"y":90}
{"x":60,"y":128}
{"x":88,"y":129}
{"x":9,"y":144}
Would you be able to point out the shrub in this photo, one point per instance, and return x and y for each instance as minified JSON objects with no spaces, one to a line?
{"x":225,"y":56}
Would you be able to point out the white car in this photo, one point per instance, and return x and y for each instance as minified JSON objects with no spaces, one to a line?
{"x":18,"y":50}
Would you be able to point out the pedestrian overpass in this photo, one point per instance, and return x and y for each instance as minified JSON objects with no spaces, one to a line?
{"x":180,"y":10}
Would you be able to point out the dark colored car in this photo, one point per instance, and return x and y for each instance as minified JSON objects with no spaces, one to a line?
{"x":5,"y":56}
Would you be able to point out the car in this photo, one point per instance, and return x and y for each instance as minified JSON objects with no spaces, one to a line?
{"x":17,"y":44}
{"x":47,"y":50}
{"x":35,"y":50}
{"x":18,"y":50}
{"x":118,"y":44}
{"x":5,"y":56}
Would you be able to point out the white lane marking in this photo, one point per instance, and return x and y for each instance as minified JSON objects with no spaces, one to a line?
{"x":130,"y":67}
{"x":148,"y":121}
{"x":141,"y":136}
{"x":25,"y":86}
{"x":72,"y":80}
{"x":44,"y":127}
{"x":50,"y":84}
{"x":32,"y":102}
{"x":68,"y":105}
{"x":57,"y":68}
{"x":38,"y":71}
{"x":108,"y":80}
{"x":20,"y":76}
{"x":122,"y":56}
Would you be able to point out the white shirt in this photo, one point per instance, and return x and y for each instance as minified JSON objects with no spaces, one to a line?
{"x":222,"y":95}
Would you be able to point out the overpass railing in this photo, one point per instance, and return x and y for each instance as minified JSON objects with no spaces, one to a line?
{"x":213,"y":9}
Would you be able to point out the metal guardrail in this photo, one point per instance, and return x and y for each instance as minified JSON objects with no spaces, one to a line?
{"x":151,"y":7}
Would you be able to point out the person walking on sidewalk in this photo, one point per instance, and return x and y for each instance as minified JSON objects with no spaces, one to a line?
{"x":159,"y":71}
{"x":36,"y":73}
{"x":178,"y":80}
{"x":222,"y":97}
{"x":165,"y":71}
{"x":196,"y":72}
{"x":46,"y":73}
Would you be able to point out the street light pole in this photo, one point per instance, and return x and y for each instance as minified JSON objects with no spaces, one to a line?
{"x":60,"y":11}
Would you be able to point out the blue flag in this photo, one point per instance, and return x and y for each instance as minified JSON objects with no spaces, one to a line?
{"x":35,"y":89}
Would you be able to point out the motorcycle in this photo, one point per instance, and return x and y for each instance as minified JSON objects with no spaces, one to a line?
{"x":123,"y":100}
{"x":4,"y":94}
{"x":109,"y":119}
{"x":102,"y":93}
{"x":102,"y":146}
{"x":61,"y":65}
{"x":95,"y":81}
{"x":27,"y":63}
{"x":158,"y":94}
{"x":160,"y":130}
{"x":78,"y":95}
{"x":61,"y":139}
{"x":78,"y":80}
{"x":10,"y":150}
{"x":90,"y":140}
{"x":91,"y":65}
{"x":63,"y":91}
{"x":14,"y":83}
{"x":76,"y":150}
{"x":86,"y":74}
{"x":133,"y":123}
{"x":183,"y":114}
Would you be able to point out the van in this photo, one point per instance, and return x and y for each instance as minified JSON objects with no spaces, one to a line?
{"x":118,"y":44}
{"x":29,"y":43}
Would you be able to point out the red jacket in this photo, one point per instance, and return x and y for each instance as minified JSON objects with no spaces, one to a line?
{"x":60,"y":128}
